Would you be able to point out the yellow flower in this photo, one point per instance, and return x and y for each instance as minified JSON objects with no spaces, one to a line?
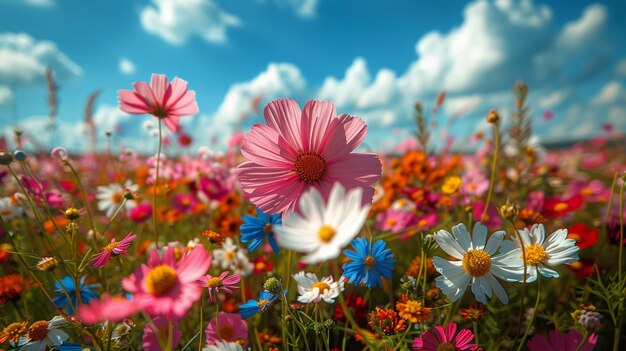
{"x":451,"y":184}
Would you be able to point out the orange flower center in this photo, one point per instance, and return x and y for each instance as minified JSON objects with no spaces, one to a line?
{"x":38,"y":331}
{"x":321,"y":286}
{"x":310,"y":167}
{"x":561,"y":206}
{"x":267,"y":228}
{"x":160,"y":279}
{"x":214,"y":282}
{"x":117,"y":197}
{"x":326,"y":233}
{"x":369,"y":262}
{"x":262,"y":303}
{"x":477,"y":262}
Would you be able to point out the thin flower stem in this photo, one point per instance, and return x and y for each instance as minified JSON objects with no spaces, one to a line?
{"x":583,"y":341}
{"x":496,"y":148}
{"x":521,"y":305}
{"x":610,"y":202}
{"x":83,"y":194}
{"x":621,"y":228}
{"x":67,"y":294}
{"x":532,"y":316}
{"x":476,"y":332}
{"x":114,"y":215}
{"x":156,"y":184}
{"x":201,"y":317}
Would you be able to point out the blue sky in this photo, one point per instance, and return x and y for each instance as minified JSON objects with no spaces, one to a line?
{"x":372,"y":58}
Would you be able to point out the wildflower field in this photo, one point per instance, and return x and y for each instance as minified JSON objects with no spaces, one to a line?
{"x":295,"y":238}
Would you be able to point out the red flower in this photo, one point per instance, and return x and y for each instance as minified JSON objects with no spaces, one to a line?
{"x":557,"y":207}
{"x":584,"y":267}
{"x":357,"y":306}
{"x":584,"y":236}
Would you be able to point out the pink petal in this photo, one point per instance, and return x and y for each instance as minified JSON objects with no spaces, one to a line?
{"x":253,"y":176}
{"x":430,"y":341}
{"x":193,"y":265}
{"x":172,"y":124}
{"x":276,"y":197}
{"x":450,"y":331}
{"x":101,"y":259}
{"x":441,"y":335}
{"x":316,"y":118}
{"x":360,"y":167}
{"x":132,"y":103}
{"x":539,"y":343}
{"x":284,"y":116}
{"x":143,"y":90}
{"x":159,"y":85}
{"x":264,"y":146}
{"x":345,"y":134}
{"x":179,"y":88}
{"x":185,"y":106}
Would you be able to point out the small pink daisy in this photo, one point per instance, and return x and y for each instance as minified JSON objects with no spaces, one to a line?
{"x":298,"y":150}
{"x":166,"y":287}
{"x":221,"y":283}
{"x":229,"y":327}
{"x":113,"y":248}
{"x":160,"y":99}
{"x":109,"y":308}
{"x":446,"y":339}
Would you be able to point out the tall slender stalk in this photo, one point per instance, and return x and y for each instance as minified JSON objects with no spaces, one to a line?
{"x":496,"y":149}
{"x":156,"y":184}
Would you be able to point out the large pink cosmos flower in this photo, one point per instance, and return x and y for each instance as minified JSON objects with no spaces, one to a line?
{"x":297,"y":150}
{"x":168,"y":288}
{"x":160,"y":99}
{"x":440,"y":338}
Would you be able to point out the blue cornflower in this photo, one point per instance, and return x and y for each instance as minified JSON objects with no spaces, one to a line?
{"x":86,"y":295}
{"x":255,"y":229}
{"x":252,"y":307}
{"x":369,"y":262}
{"x":70,"y":346}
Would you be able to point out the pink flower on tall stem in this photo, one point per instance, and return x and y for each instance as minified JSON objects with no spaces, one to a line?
{"x":218,"y":284}
{"x":152,"y":332}
{"x":113,"y":248}
{"x":298,"y":150}
{"x":166,"y":287}
{"x":228,"y":327}
{"x":557,"y":341}
{"x":440,"y":338}
{"x":160,"y":99}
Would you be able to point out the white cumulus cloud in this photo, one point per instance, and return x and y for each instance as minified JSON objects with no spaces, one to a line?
{"x":127,"y":66}
{"x":302,"y":8}
{"x":6,"y":95}
{"x":178,"y":20}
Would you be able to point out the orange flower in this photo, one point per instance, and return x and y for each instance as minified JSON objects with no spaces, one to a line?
{"x":61,"y":223}
{"x":13,"y":332}
{"x":230,"y":202}
{"x":412,"y":310}
{"x":473,"y":313}
{"x":11,"y":287}
{"x":4,"y":252}
{"x":229,"y":225}
{"x":386,"y":321}
{"x":414,"y":267}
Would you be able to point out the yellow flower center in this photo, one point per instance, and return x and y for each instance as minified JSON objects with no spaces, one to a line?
{"x":326,"y":233}
{"x":38,"y":331}
{"x":117,"y":198}
{"x":160,"y":279}
{"x":262,"y":303}
{"x":321,"y":286}
{"x":534,"y":254}
{"x":229,"y":255}
{"x":110,"y":246}
{"x":214,"y":282}
{"x":225,"y":332}
{"x":446,"y":346}
{"x":477,"y":262}
{"x":391,"y":222}
{"x":561,"y":206}
{"x":310,"y":167}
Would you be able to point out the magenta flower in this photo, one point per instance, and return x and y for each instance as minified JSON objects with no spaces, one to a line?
{"x":441,"y":338}
{"x":140,"y":213}
{"x":109,"y":308}
{"x":160,"y":329}
{"x":160,"y":99}
{"x":166,"y":287}
{"x":219,"y":284}
{"x":298,"y":150}
{"x":557,"y":341}
{"x":229,"y":327}
{"x":113,"y":248}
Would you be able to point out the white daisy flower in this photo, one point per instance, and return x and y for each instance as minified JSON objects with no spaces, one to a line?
{"x":554,"y":250}
{"x":110,"y":197}
{"x":311,"y":289}
{"x":223,"y":346}
{"x":44,"y":333}
{"x":323,"y":229}
{"x":242,"y":264}
{"x":477,"y":263}
{"x":9,"y":208}
{"x":227,"y":254}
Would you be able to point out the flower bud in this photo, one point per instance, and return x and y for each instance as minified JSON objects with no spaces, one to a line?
{"x":493,"y":117}
{"x":273,"y":285}
{"x":47,"y":264}
{"x":5,"y":158}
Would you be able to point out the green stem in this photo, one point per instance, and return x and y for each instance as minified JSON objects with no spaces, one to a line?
{"x":621,"y":228}
{"x":583,"y":341}
{"x":114,"y":215}
{"x":83,"y":195}
{"x":201,"y":321}
{"x":496,"y":137}
{"x":156,"y":184}
{"x":476,"y":332}
{"x":532,"y":317}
